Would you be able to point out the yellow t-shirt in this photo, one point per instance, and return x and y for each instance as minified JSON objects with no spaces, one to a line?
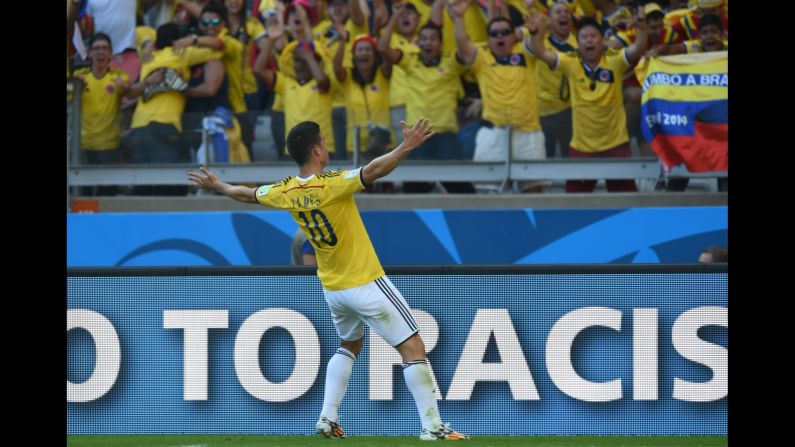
{"x":365,"y":104}
{"x":400,"y":85}
{"x":100,"y":125}
{"x":323,"y":207}
{"x":306,"y":103}
{"x":508,"y":88}
{"x":286,"y":66}
{"x":552,"y":86}
{"x":167,"y":107}
{"x":598,"y":116}
{"x":329,"y":46}
{"x":434,"y":91}
{"x":233,"y":65}
{"x":142,"y":34}
{"x":253,"y":29}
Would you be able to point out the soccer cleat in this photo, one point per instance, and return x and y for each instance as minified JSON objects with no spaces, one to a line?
{"x":328,"y":428}
{"x":445,"y":433}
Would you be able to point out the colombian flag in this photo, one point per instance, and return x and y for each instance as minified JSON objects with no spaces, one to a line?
{"x":685,"y":112}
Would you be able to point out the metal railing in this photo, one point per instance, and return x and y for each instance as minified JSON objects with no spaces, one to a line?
{"x":503,"y":173}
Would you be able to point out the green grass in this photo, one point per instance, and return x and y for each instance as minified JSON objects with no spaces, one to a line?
{"x":387,"y":441}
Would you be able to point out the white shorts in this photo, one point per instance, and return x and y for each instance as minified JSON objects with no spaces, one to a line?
{"x":378,"y":304}
{"x":491,"y":144}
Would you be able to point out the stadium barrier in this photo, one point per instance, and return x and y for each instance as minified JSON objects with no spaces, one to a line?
{"x":515,"y":350}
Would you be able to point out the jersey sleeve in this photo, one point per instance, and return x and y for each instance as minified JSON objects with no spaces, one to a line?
{"x":194,"y":55}
{"x":479,"y":62}
{"x":452,"y":65}
{"x":621,"y":60}
{"x":271,"y":195}
{"x":567,"y":64}
{"x":280,"y":84}
{"x":232,"y":46}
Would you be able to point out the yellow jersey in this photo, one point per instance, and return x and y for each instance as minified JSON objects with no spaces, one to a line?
{"x":434,"y":91}
{"x":597,"y":100}
{"x":368,"y":104}
{"x":233,"y":65}
{"x":327,"y":41}
{"x":323,"y":207}
{"x":306,"y":103}
{"x":552,"y":86}
{"x":100,"y":124}
{"x":508,"y":88}
{"x":252,"y":29}
{"x":167,"y":107}
{"x":400,"y":85}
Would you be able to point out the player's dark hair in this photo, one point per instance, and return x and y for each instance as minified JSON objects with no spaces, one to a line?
{"x":710,"y":19}
{"x":301,"y":139}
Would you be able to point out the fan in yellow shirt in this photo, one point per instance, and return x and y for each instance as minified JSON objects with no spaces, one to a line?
{"x":405,"y":20}
{"x":157,"y":122}
{"x":100,"y":124}
{"x":366,"y":89}
{"x":306,"y":89}
{"x":595,"y":79}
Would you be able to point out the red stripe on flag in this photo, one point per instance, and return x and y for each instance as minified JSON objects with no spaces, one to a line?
{"x":707,"y":151}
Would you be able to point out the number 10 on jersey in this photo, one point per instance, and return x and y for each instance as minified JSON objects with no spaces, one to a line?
{"x":316,"y":231}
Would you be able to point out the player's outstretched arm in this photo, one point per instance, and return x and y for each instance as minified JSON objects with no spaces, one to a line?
{"x":412,"y":138}
{"x":209,"y":181}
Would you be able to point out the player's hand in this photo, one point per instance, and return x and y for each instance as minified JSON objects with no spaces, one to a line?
{"x":204,"y":179}
{"x":416,"y":135}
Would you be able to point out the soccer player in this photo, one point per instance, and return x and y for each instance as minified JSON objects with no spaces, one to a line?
{"x":354,"y":284}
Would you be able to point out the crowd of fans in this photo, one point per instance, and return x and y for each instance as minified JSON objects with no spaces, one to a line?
{"x":555,"y":78}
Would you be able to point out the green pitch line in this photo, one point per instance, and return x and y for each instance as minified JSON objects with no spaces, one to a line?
{"x":387,"y":441}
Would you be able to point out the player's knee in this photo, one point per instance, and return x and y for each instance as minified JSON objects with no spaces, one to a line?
{"x":412,"y":349}
{"x":353,"y":346}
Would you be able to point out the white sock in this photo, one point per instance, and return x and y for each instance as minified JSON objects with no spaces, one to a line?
{"x":338,"y":372}
{"x":420,"y":383}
